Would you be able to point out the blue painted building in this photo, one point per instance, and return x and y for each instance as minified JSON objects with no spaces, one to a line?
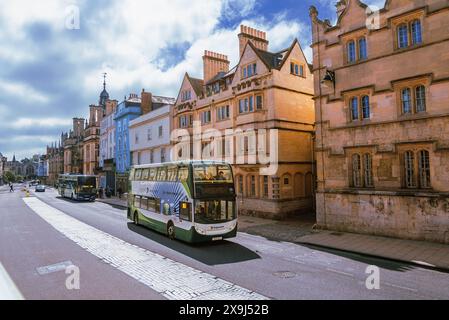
{"x":126,"y":111}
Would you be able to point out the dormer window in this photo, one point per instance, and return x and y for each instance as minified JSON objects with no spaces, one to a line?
{"x":186,"y":95}
{"x":249,"y":70}
{"x":297,"y":69}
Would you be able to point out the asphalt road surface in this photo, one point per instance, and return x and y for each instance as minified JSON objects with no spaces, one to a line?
{"x":42,"y":234}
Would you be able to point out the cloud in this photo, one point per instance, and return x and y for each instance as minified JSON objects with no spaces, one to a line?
{"x":22,"y":91}
{"x":50,"y":73}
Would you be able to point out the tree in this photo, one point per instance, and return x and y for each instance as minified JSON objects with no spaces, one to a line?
{"x":8,"y":177}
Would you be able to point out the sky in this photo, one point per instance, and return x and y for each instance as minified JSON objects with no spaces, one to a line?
{"x":52,"y":59}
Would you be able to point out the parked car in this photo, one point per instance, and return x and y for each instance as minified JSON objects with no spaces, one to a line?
{"x":40,"y":188}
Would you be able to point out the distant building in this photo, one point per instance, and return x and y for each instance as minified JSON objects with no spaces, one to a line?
{"x":3,"y":161}
{"x":382,"y":109}
{"x":126,"y":111}
{"x":42,"y":168}
{"x":107,"y":146}
{"x":73,"y":147}
{"x":150,"y":133}
{"x":55,"y":165}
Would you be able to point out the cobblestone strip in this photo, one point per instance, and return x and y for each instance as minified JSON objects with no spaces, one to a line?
{"x":171,"y":279}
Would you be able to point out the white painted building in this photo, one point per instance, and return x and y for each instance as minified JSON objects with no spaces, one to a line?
{"x":149,"y":135}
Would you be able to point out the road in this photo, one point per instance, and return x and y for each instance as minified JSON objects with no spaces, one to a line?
{"x":42,"y":234}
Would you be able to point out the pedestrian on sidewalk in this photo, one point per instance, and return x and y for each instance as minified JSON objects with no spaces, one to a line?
{"x":11,"y":187}
{"x":120,"y":191}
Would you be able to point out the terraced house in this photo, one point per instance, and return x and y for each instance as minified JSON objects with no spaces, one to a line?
{"x":382,"y":108}
{"x":264,"y":91}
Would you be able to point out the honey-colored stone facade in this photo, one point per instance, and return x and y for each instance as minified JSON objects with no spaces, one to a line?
{"x":383,"y":161}
{"x":285,"y":105}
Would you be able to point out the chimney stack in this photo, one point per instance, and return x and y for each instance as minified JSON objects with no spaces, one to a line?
{"x":214,"y":63}
{"x":147,"y":102}
{"x":258,"y":38}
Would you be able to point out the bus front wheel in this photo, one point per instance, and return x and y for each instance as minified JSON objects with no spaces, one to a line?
{"x":171,"y":230}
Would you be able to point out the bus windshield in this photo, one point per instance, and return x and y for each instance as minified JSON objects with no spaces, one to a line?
{"x":87,"y":184}
{"x":210,"y":212}
{"x":212,"y":173}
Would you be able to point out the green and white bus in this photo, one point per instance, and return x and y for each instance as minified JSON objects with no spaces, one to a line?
{"x":77,"y":187}
{"x":193,"y":201}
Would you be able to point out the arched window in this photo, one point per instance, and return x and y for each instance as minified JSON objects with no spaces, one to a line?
{"x":354,"y":108}
{"x":356,"y":171}
{"x":351,"y":51}
{"x":365,"y":107}
{"x":420,"y":96}
{"x":406,"y":100}
{"x":416,"y":32}
{"x":368,"y":168}
{"x":363,"y":53}
{"x":402,"y":36}
{"x":409,"y":169}
{"x":299,"y":185}
{"x":424,"y":169}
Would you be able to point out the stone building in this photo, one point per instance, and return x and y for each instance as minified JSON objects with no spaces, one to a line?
{"x":266,"y":101}
{"x":382,"y":110}
{"x":73,"y":147}
{"x":91,"y":143}
{"x":55,"y":157}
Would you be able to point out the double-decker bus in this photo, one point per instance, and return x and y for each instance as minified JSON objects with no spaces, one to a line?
{"x":193,"y":201}
{"x":77,"y":187}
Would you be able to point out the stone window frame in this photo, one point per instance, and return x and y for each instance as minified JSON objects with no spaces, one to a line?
{"x":355,"y":37}
{"x":407,"y":20}
{"x":227,"y":112}
{"x":297,"y":68}
{"x":412,"y":85}
{"x":203,"y":118}
{"x":244,"y":70}
{"x":415,"y":174}
{"x":365,"y":170}
{"x":359,"y":95}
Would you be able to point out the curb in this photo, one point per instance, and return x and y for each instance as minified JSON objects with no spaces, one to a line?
{"x":112,"y":204}
{"x":412,"y":263}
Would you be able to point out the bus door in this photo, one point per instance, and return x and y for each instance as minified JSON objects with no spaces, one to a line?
{"x":185,"y":211}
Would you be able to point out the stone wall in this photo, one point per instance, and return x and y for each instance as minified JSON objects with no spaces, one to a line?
{"x":420,"y":217}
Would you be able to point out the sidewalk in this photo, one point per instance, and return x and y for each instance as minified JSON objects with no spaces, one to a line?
{"x":300,"y":231}
{"x":115,"y":201}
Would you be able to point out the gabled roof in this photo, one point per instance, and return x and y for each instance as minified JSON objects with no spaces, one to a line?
{"x":275,"y":60}
{"x":197,"y":84}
